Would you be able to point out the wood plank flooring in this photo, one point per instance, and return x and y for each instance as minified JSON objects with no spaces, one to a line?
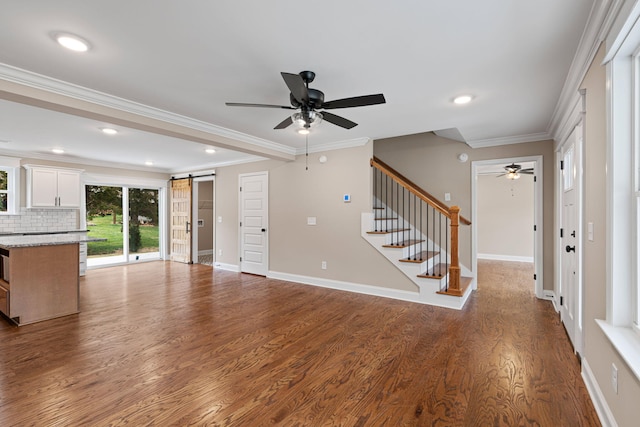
{"x":171,"y":344}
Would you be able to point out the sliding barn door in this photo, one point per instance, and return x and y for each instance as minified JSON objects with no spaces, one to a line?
{"x":181,"y":220}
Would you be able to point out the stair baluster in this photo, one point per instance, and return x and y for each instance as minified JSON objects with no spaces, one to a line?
{"x":421,"y":228}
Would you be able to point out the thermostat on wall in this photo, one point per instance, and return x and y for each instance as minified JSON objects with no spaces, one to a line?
{"x":346,"y":198}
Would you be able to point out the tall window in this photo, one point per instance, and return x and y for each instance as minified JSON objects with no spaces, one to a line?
{"x":9,"y":185}
{"x":623,"y":190}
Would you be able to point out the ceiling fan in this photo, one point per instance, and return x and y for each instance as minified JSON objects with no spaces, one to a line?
{"x":308,"y":101}
{"x":513,"y":171}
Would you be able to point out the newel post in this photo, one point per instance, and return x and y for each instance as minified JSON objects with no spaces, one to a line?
{"x":454,"y":267}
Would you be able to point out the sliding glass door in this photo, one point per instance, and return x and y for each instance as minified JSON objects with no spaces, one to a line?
{"x":129,"y":218}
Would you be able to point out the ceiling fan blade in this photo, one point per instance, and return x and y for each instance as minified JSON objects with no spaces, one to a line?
{"x":527,"y":170}
{"x":356,"y":101}
{"x":242,"y":104}
{"x":296,"y":85}
{"x":338,"y":121}
{"x":285,"y":123}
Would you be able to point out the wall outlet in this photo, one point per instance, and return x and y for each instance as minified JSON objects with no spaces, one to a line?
{"x":220,"y":252}
{"x":447,"y":197}
{"x":614,"y":378}
{"x":324,"y":265}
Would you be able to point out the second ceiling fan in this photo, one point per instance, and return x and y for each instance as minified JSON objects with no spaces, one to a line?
{"x":309,"y":101}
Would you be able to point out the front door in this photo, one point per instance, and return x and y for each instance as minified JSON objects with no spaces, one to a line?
{"x":181,"y":220}
{"x":253,"y":223}
{"x":570,"y":286}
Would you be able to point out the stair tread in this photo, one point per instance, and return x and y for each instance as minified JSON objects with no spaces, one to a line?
{"x":393,"y":230}
{"x":403,"y":244}
{"x":433,"y":272}
{"x":420,"y":257}
{"x":464,"y":284}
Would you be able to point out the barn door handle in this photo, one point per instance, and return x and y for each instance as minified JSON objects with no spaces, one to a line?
{"x":187,"y":229}
{"x":570,"y":248}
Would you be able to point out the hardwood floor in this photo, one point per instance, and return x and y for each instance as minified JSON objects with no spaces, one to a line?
{"x":171,"y":344}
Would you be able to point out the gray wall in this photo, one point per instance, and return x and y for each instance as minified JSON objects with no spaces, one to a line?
{"x":295,"y":194}
{"x":505,"y":216}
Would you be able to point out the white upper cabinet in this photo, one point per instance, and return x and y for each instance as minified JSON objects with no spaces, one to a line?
{"x":49,"y":187}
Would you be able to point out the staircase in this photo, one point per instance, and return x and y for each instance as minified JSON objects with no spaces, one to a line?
{"x":419,"y":235}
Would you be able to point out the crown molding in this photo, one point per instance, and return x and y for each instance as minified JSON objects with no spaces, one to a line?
{"x":601,"y":18}
{"x":195,"y":169}
{"x":508,"y":140}
{"x":39,"y":81}
{"x":339,"y":145}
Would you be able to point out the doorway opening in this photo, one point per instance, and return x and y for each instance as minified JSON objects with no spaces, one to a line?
{"x":510,"y":212}
{"x":204,"y":226}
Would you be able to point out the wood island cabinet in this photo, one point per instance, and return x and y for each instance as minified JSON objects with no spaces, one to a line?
{"x":39,"y":282}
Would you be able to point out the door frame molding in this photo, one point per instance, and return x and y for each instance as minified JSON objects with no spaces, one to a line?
{"x":538,"y":216}
{"x":266,"y":252}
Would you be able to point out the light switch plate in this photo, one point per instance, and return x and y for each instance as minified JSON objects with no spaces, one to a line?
{"x":311,"y":220}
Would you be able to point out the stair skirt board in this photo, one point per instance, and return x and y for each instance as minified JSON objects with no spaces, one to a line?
{"x":445,"y":301}
{"x":428,"y":286}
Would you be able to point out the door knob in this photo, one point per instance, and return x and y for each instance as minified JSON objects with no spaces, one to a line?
{"x":264,"y":230}
{"x":570,"y":248}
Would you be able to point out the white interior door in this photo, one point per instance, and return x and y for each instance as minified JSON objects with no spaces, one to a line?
{"x":254,"y":220}
{"x":570,"y":271}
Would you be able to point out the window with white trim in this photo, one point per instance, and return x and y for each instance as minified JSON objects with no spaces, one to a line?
{"x":635,"y":106}
{"x":9,"y":186}
{"x":623,"y":190}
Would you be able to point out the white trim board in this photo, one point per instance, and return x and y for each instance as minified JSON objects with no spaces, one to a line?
{"x":228,"y":267}
{"x":347,"y":286}
{"x":598,"y":399}
{"x":500,"y":257}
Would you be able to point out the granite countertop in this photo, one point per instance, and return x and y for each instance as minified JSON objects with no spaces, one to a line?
{"x":22,"y":240}
{"x":31,"y":233}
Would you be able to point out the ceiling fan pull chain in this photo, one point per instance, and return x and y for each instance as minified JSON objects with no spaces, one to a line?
{"x":306,"y":139}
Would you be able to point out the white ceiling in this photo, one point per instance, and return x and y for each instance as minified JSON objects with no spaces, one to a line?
{"x":186,"y":59}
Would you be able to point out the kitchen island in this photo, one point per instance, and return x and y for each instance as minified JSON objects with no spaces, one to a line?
{"x":39,"y":275}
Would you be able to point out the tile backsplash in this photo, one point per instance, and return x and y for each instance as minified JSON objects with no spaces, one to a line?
{"x":39,"y":220}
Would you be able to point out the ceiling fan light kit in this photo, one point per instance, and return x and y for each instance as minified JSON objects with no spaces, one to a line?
{"x":308,"y":101}
{"x":513,"y":171}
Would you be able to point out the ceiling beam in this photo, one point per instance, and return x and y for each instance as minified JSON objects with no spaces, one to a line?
{"x":29,"y":95}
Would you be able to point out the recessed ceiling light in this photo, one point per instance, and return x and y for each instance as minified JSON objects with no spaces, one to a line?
{"x":109,"y":131}
{"x":210,"y":150}
{"x":58,"y":150}
{"x":463,"y":99}
{"x":148,"y":163}
{"x":72,"y":42}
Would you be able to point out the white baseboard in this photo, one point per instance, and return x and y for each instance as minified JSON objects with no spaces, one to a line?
{"x":347,"y":286}
{"x":599,"y":402}
{"x":229,"y":267}
{"x":205,"y":252}
{"x":499,"y":257}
